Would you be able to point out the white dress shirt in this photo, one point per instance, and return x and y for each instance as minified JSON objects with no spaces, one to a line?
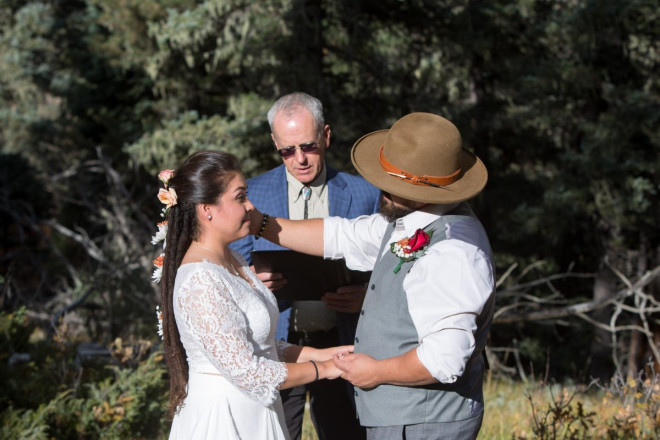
{"x":446,"y":288}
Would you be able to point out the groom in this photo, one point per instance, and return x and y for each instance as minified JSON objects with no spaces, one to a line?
{"x":418,"y":363}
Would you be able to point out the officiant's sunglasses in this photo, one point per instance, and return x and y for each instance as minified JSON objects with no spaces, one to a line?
{"x":309,"y":147}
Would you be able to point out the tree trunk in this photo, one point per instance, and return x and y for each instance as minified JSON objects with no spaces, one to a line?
{"x":601,"y":346}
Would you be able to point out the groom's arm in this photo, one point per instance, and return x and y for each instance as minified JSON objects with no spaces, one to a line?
{"x":366,"y":372}
{"x":304,"y":236}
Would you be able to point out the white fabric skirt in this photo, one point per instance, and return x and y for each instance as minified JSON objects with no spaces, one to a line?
{"x":214,"y":409}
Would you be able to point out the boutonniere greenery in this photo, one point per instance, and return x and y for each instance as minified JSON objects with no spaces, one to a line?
{"x":411,"y":248}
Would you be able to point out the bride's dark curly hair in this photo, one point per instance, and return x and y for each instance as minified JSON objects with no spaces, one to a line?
{"x":202,"y":178}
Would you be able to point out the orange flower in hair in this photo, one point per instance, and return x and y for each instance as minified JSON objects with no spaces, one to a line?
{"x":167,"y":197}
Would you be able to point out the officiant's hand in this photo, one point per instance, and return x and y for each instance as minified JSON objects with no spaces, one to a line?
{"x":272,"y":280}
{"x":347,"y":299}
{"x":358,"y":368}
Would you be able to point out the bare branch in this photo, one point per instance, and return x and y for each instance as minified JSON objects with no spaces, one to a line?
{"x":512,"y":290}
{"x":575,"y":309}
{"x":81,"y":237}
{"x":506,"y":275}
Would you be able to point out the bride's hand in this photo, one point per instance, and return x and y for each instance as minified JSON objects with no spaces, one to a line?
{"x":324,"y":354}
{"x":329,"y":370}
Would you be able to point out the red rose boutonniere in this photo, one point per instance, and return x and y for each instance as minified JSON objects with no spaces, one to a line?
{"x":411,"y":248}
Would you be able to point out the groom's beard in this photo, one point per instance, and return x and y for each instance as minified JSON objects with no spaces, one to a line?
{"x":389,"y":210}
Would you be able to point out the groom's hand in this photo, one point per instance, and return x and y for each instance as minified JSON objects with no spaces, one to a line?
{"x":347,"y":299}
{"x":255,"y":221}
{"x":358,"y":368}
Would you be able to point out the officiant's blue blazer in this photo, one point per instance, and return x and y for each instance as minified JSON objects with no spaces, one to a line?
{"x":349,"y":197}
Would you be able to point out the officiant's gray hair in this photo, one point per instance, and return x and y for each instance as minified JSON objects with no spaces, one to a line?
{"x":293,"y":103}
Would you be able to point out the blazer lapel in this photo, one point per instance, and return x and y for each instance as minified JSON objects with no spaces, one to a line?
{"x":279,"y":205}
{"x":339,"y":195}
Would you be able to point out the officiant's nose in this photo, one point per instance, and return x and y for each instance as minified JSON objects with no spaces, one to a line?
{"x":300,"y":156}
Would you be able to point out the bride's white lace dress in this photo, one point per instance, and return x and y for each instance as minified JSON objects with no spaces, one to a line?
{"x":227,"y":327}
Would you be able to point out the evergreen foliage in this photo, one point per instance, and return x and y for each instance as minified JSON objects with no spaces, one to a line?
{"x":559,"y":98}
{"x":54,"y":389}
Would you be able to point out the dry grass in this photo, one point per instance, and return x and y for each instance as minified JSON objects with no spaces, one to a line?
{"x":308,"y":431}
{"x":628,"y":409}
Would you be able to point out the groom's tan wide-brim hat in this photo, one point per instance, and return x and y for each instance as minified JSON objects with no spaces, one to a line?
{"x":420,"y":158}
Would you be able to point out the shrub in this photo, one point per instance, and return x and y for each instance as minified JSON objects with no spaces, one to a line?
{"x":54,"y":394}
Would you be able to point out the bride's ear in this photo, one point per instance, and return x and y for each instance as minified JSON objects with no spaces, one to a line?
{"x":204,"y":212}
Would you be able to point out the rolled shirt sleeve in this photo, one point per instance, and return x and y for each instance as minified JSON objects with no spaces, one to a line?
{"x":446,"y":291}
{"x":356,"y":240}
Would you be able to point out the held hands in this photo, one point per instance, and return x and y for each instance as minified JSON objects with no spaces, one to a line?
{"x":328,"y":370}
{"x":324,"y":358}
{"x":325,"y":354}
{"x":358,"y":368}
{"x":347,"y":299}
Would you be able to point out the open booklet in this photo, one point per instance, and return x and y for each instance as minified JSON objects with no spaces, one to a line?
{"x":308,"y":277}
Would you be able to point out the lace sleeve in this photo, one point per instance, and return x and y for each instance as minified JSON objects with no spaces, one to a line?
{"x":219,"y":326}
{"x":282,"y":347}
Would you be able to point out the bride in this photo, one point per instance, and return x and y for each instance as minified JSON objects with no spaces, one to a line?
{"x":219,"y":319}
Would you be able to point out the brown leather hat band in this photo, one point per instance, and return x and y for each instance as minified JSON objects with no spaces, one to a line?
{"x":417,"y":180}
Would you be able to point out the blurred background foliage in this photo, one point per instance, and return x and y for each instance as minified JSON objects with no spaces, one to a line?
{"x":560,"y":98}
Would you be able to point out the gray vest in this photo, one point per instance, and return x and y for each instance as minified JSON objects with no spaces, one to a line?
{"x":386,"y":329}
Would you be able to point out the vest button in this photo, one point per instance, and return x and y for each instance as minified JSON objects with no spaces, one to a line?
{"x":356,"y":393}
{"x":357,"y":339}
{"x":361,"y":312}
{"x":373,"y":286}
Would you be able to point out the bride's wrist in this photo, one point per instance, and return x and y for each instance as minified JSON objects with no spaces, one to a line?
{"x":324,"y":368}
{"x":317,"y":370}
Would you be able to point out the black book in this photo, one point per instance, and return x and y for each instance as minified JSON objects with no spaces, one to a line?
{"x":308,"y":277}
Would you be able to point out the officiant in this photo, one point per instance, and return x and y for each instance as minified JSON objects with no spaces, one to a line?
{"x":304,"y":186}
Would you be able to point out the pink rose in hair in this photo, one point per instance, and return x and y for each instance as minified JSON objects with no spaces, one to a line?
{"x":165,"y":176}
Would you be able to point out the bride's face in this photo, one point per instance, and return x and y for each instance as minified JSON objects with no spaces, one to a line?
{"x":231,"y":215}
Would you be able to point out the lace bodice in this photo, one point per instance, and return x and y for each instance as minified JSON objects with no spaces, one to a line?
{"x":227,"y":326}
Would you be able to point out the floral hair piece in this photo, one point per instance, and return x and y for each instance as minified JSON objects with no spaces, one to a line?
{"x":159,"y":317}
{"x":167,"y":197}
{"x":165,"y":176}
